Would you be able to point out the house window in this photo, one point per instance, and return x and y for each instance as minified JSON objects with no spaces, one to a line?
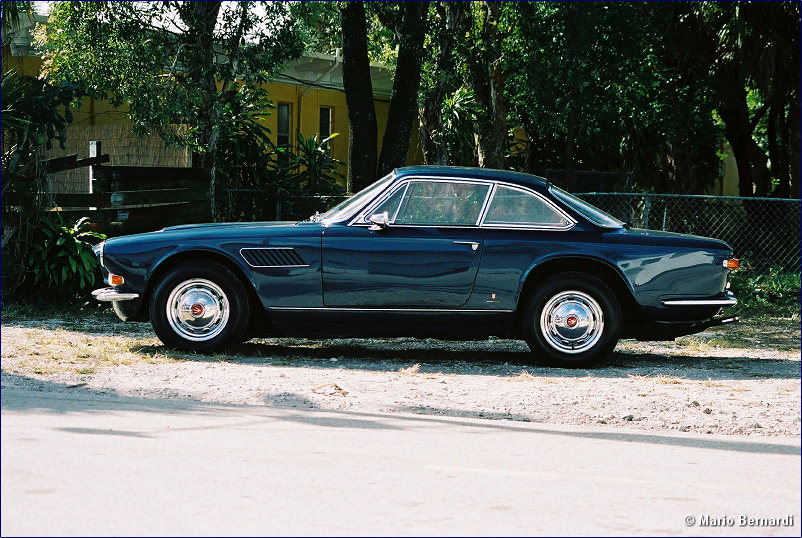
{"x":325,"y":123}
{"x":283,"y":131}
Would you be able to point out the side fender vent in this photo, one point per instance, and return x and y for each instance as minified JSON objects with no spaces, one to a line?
{"x":272,"y":257}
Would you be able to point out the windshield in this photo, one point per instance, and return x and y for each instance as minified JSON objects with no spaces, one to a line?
{"x":590,"y":212}
{"x":347,"y":208}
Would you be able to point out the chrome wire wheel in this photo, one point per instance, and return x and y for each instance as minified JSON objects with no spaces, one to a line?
{"x":571,"y":322}
{"x":197,"y":309}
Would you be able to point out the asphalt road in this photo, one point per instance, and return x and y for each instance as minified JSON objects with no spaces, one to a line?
{"x":106,"y":465}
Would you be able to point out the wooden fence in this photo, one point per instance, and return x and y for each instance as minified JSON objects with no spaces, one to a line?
{"x":131,"y":199}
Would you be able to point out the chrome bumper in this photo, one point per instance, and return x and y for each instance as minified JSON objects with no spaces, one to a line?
{"x":110,"y":294}
{"x":728,"y":300}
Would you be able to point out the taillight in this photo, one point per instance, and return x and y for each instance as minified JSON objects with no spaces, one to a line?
{"x":732,"y":264}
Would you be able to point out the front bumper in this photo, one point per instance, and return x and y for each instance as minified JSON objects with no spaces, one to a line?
{"x":110,"y":294}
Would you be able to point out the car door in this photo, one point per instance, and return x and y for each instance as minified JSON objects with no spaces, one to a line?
{"x":427,"y":257}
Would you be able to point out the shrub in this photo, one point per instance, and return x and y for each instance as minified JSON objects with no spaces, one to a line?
{"x":61,"y":260}
{"x":774,"y":292}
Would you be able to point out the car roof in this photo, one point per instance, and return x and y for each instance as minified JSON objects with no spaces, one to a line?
{"x":519,"y":178}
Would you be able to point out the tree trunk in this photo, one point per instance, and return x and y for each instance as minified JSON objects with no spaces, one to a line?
{"x":794,"y":144}
{"x":782,"y":170}
{"x":406,"y":82}
{"x":201,"y":18}
{"x":431,"y":129}
{"x":488,"y":82}
{"x":735,"y":113}
{"x":358,"y":98}
{"x":570,"y":141}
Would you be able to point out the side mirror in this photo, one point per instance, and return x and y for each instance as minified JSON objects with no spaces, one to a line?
{"x":380,"y":221}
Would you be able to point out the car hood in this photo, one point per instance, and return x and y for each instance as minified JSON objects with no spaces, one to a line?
{"x":227,"y":225}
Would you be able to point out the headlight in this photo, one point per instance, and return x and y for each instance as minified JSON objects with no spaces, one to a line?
{"x":98,"y":250}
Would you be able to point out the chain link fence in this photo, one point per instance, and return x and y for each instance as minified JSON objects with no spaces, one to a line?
{"x":764,"y":232}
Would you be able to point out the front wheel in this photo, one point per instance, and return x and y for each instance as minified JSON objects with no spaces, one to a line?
{"x":199,"y":306}
{"x":572,"y":319}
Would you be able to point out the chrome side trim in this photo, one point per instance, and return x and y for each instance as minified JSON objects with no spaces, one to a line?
{"x":729,"y":300}
{"x":346,"y":309}
{"x":110,"y":294}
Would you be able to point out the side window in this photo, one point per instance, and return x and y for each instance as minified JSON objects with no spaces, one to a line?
{"x":443,"y":203}
{"x":518,"y":207}
{"x":390,"y":205}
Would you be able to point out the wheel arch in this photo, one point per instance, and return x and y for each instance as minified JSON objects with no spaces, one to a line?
{"x":595,"y":267}
{"x":176,"y":258}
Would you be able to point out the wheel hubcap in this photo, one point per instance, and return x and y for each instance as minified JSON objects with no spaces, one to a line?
{"x":197,"y":309}
{"x":572,"y":322}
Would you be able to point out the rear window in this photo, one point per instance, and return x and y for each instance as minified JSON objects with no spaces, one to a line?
{"x":590,"y":212}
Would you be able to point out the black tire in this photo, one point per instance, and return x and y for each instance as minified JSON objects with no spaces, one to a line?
{"x":572,"y":320}
{"x":208,"y":307}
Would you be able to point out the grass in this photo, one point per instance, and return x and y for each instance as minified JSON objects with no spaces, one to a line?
{"x":411,"y":370}
{"x":660,"y":379}
{"x":43,"y":351}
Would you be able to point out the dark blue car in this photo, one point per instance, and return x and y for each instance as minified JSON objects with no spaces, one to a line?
{"x":429,"y":252}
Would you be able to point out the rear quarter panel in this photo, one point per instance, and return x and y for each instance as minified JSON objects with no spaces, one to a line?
{"x":652,"y":267}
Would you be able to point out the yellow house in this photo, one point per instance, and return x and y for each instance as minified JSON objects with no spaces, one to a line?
{"x":308,"y":94}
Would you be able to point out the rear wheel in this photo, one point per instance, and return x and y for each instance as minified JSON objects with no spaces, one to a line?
{"x":199,"y":306}
{"x":572,"y":320}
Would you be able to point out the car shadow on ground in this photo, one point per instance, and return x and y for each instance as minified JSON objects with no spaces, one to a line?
{"x":494,"y":358}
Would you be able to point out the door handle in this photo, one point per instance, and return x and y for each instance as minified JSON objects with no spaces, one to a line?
{"x":473,"y":244}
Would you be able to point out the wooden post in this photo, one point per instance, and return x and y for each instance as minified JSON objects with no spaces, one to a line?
{"x":94,"y":151}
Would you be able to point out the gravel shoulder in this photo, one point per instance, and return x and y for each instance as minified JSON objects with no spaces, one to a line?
{"x":736,"y":380}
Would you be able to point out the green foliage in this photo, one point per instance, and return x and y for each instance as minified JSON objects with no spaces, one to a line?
{"x":61,"y":260}
{"x":311,"y":176}
{"x":460,"y":115}
{"x":774,"y":292}
{"x":604,"y":66}
{"x":192,"y":60}
{"x":34,"y":113}
{"x":312,"y":169}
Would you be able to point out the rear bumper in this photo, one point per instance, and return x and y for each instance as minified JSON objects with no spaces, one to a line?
{"x":110,"y":294}
{"x":728,"y":299}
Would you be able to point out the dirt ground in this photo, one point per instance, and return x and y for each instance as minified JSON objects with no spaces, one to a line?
{"x":738,"y":380}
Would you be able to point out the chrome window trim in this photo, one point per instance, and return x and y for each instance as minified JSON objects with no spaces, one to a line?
{"x":380,"y":200}
{"x":482,"y":214}
{"x":527,"y":226}
{"x":269,"y":248}
{"x":361,"y":218}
